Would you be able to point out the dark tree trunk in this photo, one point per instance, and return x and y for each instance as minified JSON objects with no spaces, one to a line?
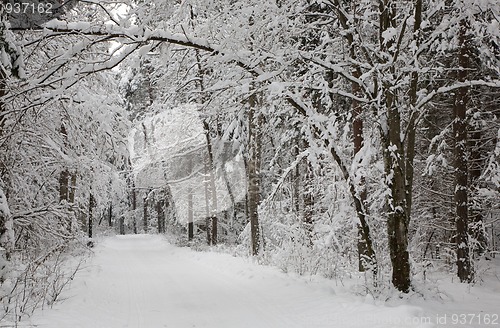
{"x":3,"y":86}
{"x":364,"y":253}
{"x":72,"y":190}
{"x":122,"y":225}
{"x":253,"y":174}
{"x":190,"y":218}
{"x":161,"y":216}
{"x":133,"y":204}
{"x":209,"y":230}
{"x":63,"y":185}
{"x":212,"y":221}
{"x":145,"y":213}
{"x":6,"y":233}
{"x":91,"y":215}
{"x":296,"y":177}
{"x":190,"y":213}
{"x":464,"y":269}
{"x":308,"y":199}
{"x":190,"y":231}
{"x":208,"y":222}
{"x":64,"y":176}
{"x":214,"y":230}
{"x":110,"y":214}
{"x":395,"y":161}
{"x":397,"y":221}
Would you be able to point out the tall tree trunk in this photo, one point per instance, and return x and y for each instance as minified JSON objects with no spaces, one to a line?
{"x":145,"y":212}
{"x":133,"y":204}
{"x":6,"y":229}
{"x":91,"y":215}
{"x":190,"y":209}
{"x":6,"y":224}
{"x":212,"y":185}
{"x":230,"y":213}
{"x":210,"y":190}
{"x":3,"y":82}
{"x":309,"y":205}
{"x":160,"y":211}
{"x":365,"y":254}
{"x":64,"y":185}
{"x":64,"y":175}
{"x":397,"y":220}
{"x":208,"y":221}
{"x":190,"y":214}
{"x":296,"y":176}
{"x":398,"y":217}
{"x":254,"y":179}
{"x":72,"y":189}
{"x":71,"y":200}
{"x":464,"y":269}
{"x":308,"y":199}
{"x":110,"y":214}
{"x":122,"y":225}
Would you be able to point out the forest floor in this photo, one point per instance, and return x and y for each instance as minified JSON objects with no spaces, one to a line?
{"x":142,"y":281}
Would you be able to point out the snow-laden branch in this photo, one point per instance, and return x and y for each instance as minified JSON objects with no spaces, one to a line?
{"x":132,"y":38}
{"x":424,"y":100}
{"x":321,"y":131}
{"x":457,"y":85}
{"x":143,"y":35}
{"x":285,"y":175}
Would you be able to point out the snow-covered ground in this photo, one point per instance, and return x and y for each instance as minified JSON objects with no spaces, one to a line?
{"x":143,"y":281}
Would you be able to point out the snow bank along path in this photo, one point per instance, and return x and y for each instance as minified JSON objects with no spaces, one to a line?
{"x":142,"y":281}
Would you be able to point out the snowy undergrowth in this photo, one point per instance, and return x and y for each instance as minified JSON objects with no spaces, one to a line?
{"x":36,"y":281}
{"x":437,"y":297}
{"x":326,"y":260}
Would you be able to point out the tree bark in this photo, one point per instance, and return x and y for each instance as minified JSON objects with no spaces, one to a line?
{"x":64,"y":176}
{"x":133,"y":200}
{"x":91,"y":215}
{"x":110,"y":214}
{"x":308,"y":199}
{"x":190,"y":215}
{"x":397,"y":220}
{"x":64,"y":185}
{"x":6,"y":228}
{"x":395,"y":163}
{"x":72,"y":189}
{"x":160,"y":211}
{"x":364,"y":253}
{"x":411,"y":132}
{"x":122,"y":225}
{"x":253,"y":173}
{"x":208,"y":222}
{"x":464,"y":269}
{"x":212,"y":186}
{"x":145,"y":212}
{"x":309,"y":205}
{"x":296,"y":176}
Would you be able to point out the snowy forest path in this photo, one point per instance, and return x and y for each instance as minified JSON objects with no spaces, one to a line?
{"x":141,"y":281}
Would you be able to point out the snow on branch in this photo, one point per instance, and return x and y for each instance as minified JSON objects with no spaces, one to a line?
{"x":457,"y":85}
{"x":132,"y":39}
{"x":140,"y":34}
